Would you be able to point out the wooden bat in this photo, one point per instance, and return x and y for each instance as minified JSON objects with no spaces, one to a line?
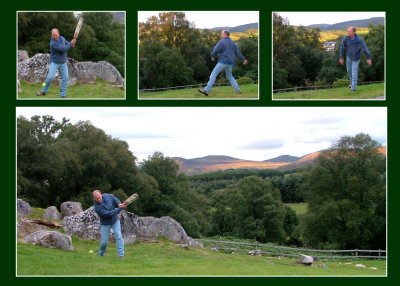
{"x":132,"y":198}
{"x":78,"y":27}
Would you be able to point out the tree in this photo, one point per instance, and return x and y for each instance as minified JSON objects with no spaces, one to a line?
{"x":252,"y":209}
{"x":346,"y":196}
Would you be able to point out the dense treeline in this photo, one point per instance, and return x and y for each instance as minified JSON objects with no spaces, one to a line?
{"x":300,"y":60}
{"x":345,"y":189}
{"x":173,"y":52}
{"x":100,"y":38}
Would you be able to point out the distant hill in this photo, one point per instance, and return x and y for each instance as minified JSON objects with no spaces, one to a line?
{"x":237,"y":29}
{"x":119,"y":17}
{"x":343,"y":25}
{"x":215,"y":163}
{"x":283,"y":158}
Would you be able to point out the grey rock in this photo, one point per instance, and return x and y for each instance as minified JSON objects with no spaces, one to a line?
{"x":86,"y":225}
{"x":26,"y":227}
{"x":305,"y":259}
{"x":71,"y":208}
{"x":22,"y":55}
{"x":52,"y":213}
{"x":23,"y":208}
{"x":19,"y":86}
{"x":36,"y":68}
{"x":50,"y":239}
{"x":360,"y":265}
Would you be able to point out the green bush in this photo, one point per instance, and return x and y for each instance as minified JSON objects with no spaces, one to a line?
{"x":244,"y":80}
{"x":341,"y":83}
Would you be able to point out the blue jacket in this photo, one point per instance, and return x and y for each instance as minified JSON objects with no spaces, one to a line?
{"x":353,"y":48}
{"x":227,"y":49}
{"x":58,"y":50}
{"x":106,"y":210}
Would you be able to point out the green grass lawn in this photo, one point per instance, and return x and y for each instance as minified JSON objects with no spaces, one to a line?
{"x":248,"y":91}
{"x":163,"y":258}
{"x":101,"y":89}
{"x":298,"y":208}
{"x":363,"y":92}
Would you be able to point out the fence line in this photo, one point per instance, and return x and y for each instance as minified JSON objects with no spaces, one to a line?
{"x":285,"y":251}
{"x":316,"y":87}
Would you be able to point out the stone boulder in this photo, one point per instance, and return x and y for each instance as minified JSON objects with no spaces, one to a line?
{"x":305,"y":259}
{"x":71,"y":208}
{"x":22,"y":55}
{"x":170,"y":229}
{"x":52,"y":213}
{"x":36,"y":68}
{"x":50,"y":239}
{"x":26,"y":227}
{"x":86,"y":225}
{"x":106,"y":71}
{"x":23,"y":208}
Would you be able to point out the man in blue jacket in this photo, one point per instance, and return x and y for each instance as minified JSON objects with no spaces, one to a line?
{"x":227,"y":50}
{"x":104,"y":206}
{"x":58,"y":61}
{"x":353,"y":45}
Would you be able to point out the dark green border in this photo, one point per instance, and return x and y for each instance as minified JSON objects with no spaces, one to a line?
{"x":9,"y":103}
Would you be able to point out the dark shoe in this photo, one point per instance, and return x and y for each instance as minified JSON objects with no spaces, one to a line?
{"x":63,"y":97}
{"x":238,"y":91}
{"x":40,"y":93}
{"x":203,"y":92}
{"x":352,"y":90}
{"x":350,"y":85}
{"x":120,"y":257}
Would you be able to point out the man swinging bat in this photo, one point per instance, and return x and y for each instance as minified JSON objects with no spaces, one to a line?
{"x":58,"y":60}
{"x":105,"y":207}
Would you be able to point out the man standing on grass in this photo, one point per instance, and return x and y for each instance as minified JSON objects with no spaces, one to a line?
{"x":353,"y":45}
{"x":227,"y":50}
{"x":104,"y":206}
{"x":58,"y":61}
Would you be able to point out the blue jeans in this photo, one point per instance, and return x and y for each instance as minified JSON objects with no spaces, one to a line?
{"x":216,"y":71}
{"x":352,"y":70}
{"x":63,"y":70}
{"x":105,"y":234}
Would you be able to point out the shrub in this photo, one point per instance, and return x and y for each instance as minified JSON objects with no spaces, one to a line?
{"x":341,"y":83}
{"x":244,"y":80}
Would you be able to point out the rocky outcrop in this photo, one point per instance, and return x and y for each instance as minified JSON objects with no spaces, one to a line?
{"x":26,"y":227}
{"x":50,"y":239}
{"x":52,"y":213}
{"x":23,"y":208}
{"x":71,"y":208}
{"x":86,"y":225}
{"x":36,"y":68}
{"x":22,"y":55}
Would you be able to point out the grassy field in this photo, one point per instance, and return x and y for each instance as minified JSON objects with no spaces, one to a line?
{"x":101,"y":89}
{"x":332,"y":35}
{"x":298,"y":208}
{"x":164,"y":258}
{"x":363,"y":92}
{"x":248,"y":91}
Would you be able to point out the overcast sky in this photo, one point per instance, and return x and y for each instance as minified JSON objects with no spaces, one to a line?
{"x":308,"y":18}
{"x":211,"y":19}
{"x":253,"y":133}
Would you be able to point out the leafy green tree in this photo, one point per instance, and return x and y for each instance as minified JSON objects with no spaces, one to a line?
{"x":375,"y":41}
{"x":252,"y":209}
{"x":346,"y":195}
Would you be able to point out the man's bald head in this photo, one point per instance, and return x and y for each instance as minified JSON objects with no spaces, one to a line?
{"x":225,"y":33}
{"x":351,"y":32}
{"x":55,"y":34}
{"x":97,"y":196}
